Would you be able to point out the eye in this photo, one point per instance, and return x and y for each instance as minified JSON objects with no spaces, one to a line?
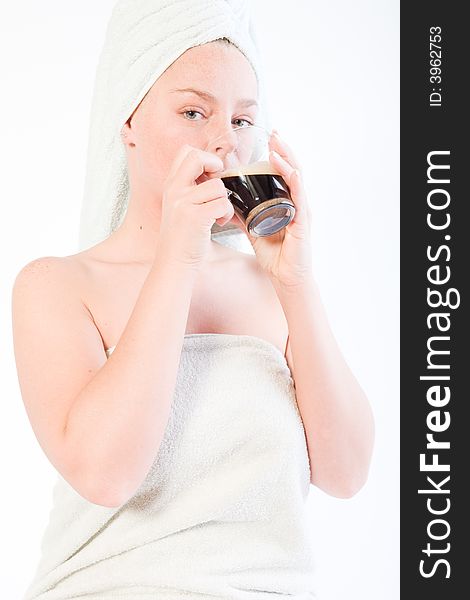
{"x":245,"y":121}
{"x":187,"y":112}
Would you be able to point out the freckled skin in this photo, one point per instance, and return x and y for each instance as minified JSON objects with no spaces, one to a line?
{"x":158,"y":128}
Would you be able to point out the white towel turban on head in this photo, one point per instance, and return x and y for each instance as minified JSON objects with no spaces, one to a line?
{"x":143,"y":38}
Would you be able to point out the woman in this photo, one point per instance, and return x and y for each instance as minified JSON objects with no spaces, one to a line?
{"x":186,"y":393}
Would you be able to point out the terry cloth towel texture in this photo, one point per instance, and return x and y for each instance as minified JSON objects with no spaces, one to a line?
{"x":143,"y":38}
{"x":221,"y":513}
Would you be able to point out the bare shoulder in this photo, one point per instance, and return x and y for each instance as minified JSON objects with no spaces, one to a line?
{"x":47,"y":303}
{"x":39,"y":266}
{"x":50,"y":276}
{"x":50,"y":266}
{"x":57,"y":349}
{"x":46,"y":270}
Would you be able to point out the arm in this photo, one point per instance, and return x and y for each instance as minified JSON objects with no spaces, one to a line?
{"x":117,"y":422}
{"x":336,"y":414}
{"x":99,"y":422}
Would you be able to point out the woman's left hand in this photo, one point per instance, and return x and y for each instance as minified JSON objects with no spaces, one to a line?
{"x":286,"y":256}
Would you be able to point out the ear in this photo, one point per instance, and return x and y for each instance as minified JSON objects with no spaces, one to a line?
{"x":127,"y":134}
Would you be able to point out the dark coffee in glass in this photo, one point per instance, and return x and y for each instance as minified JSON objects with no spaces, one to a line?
{"x":260,"y":196}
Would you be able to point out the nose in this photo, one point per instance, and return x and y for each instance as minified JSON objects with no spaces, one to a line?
{"x":224,"y":144}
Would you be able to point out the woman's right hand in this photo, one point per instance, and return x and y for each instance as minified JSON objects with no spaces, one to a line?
{"x":189,"y":209}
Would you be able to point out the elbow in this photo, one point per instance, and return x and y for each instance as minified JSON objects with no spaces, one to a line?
{"x":355,"y":472}
{"x":95,"y":494}
{"x":355,"y":480}
{"x":349,"y":488}
{"x":112,"y":495}
{"x":97,"y":491}
{"x":109,"y":501}
{"x":344,"y":479}
{"x":343,"y":488}
{"x":101,"y":485}
{"x":343,"y":459}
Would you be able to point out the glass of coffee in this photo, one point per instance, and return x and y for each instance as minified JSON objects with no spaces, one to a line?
{"x":259,"y":194}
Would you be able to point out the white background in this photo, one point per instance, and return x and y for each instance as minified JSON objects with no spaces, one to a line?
{"x":333,"y":84}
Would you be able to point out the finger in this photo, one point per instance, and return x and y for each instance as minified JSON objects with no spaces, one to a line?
{"x":294,"y":181}
{"x":198,"y":162}
{"x":238,"y":221}
{"x":286,"y":153}
{"x":190,"y":163}
{"x":181,"y":154}
{"x":283,"y":149}
{"x":299,"y":197}
{"x":281,"y":163}
{"x":207,"y":191}
{"x":227,"y":218}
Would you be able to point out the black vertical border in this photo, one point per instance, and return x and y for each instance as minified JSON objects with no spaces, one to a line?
{"x":424,"y":129}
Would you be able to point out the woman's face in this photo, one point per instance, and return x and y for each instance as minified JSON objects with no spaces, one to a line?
{"x":167,"y":118}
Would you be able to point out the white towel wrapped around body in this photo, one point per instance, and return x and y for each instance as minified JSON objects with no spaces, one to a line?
{"x":143,"y":38}
{"x":221,"y":511}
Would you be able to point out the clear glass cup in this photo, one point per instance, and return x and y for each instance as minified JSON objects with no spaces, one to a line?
{"x":258,"y":192}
